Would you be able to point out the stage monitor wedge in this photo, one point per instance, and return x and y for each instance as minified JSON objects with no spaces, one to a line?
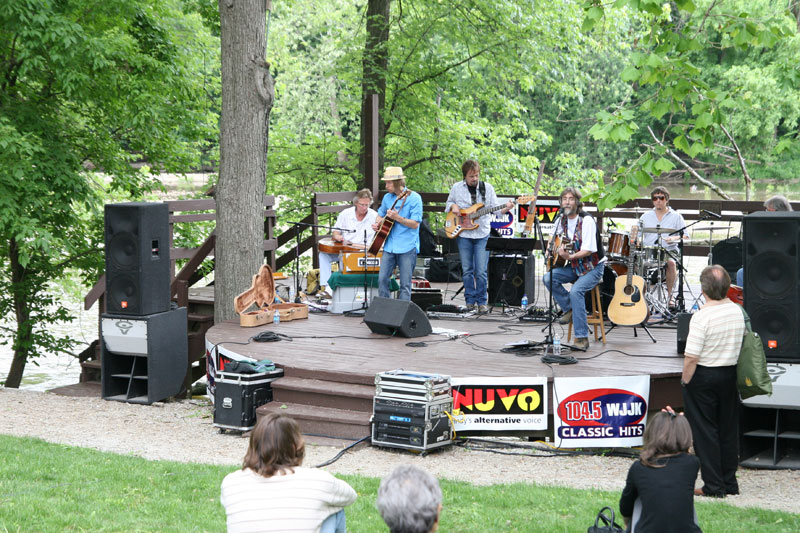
{"x":402,"y":318}
{"x":771,"y":275}
{"x":137,"y":258}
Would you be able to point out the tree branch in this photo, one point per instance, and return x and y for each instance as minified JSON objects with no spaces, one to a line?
{"x":748,"y":182}
{"x":691,"y":170}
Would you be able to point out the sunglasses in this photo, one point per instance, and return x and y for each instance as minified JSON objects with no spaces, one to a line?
{"x":659,"y":197}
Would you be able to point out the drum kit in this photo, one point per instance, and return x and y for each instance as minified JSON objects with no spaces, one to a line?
{"x":649,"y":262}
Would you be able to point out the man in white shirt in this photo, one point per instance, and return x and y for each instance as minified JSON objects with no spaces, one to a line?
{"x":354,"y":228}
{"x":585,"y":260}
{"x":709,"y":383}
{"x":663,"y":216}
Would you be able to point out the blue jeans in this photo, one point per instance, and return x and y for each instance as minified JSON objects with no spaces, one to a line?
{"x":405,"y":263}
{"x":335,"y":523}
{"x":474,"y":262}
{"x":574,"y":300}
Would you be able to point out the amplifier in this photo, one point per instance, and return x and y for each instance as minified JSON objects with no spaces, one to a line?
{"x":409,"y":385}
{"x":413,"y":425}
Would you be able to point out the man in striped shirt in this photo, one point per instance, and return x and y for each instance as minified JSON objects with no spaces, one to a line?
{"x":709,"y":383}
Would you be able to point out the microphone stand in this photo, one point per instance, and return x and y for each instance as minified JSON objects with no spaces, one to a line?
{"x":364,"y":305}
{"x":296,"y":268}
{"x":679,"y":299}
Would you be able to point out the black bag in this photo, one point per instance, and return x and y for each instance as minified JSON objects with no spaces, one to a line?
{"x":608,"y":523}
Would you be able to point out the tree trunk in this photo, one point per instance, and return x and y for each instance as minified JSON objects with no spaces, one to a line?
{"x":23,"y":338}
{"x":374,"y":65}
{"x":247,"y":95}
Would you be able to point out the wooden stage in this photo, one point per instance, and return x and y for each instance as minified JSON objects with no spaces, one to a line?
{"x":331,"y":361}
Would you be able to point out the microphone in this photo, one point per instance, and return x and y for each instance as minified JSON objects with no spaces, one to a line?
{"x":713,"y":215}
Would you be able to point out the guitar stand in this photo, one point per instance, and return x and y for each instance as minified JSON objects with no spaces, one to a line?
{"x":642,"y":325}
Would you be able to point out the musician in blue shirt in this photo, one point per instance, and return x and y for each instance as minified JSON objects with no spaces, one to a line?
{"x":472,"y":243}
{"x":402,"y":243}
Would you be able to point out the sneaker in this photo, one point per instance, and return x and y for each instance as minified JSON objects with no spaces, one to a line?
{"x":324,"y":295}
{"x":472,"y":307}
{"x":483,"y":309}
{"x":581,"y":343}
{"x":566,"y":318}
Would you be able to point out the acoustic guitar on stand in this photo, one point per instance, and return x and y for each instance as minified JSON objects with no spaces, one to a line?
{"x":465,"y":221}
{"x":628,"y":306}
{"x":385,"y":227}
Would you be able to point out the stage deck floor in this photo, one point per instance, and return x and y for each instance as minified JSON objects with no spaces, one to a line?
{"x":340,"y":344}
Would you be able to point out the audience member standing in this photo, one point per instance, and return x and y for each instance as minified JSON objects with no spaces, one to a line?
{"x":659,"y":492}
{"x":272,"y":492}
{"x":709,"y":383}
{"x":410,"y":500}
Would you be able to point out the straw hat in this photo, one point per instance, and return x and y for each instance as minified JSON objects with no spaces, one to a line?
{"x":393,"y":173}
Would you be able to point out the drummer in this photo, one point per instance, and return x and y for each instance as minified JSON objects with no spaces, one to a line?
{"x":664,"y":217}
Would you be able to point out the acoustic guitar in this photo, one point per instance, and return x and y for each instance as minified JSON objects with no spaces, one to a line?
{"x":553,"y":259}
{"x":385,"y":227}
{"x":628,"y":306}
{"x":455,"y":224}
{"x":329,"y":246}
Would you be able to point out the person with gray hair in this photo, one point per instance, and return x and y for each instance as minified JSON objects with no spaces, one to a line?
{"x":410,"y":500}
{"x":778,"y":203}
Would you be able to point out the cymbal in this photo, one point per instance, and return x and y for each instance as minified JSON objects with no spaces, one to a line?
{"x":661,"y":231}
{"x":711,"y":228}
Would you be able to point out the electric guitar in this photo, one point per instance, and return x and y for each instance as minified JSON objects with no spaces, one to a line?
{"x":554,"y":260}
{"x":385,"y":227}
{"x":628,"y":306}
{"x":455,"y":224}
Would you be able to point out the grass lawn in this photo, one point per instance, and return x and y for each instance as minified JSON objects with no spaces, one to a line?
{"x":51,"y":487}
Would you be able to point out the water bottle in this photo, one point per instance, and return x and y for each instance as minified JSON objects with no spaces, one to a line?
{"x":556,"y":344}
{"x":276,"y":318}
{"x":695,"y":308}
{"x":524,"y":302}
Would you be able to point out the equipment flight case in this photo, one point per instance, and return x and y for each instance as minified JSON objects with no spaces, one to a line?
{"x":237,"y":397}
{"x":411,"y":410}
{"x":413,"y":425}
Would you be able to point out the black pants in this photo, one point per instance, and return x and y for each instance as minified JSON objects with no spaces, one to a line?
{"x":711,"y":403}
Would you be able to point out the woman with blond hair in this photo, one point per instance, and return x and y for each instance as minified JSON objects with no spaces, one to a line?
{"x":272,"y":492}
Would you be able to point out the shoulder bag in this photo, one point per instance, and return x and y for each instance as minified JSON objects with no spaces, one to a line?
{"x":752,"y":378}
{"x":605,"y":523}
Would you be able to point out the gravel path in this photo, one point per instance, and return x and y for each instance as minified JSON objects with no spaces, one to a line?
{"x":180,"y":431}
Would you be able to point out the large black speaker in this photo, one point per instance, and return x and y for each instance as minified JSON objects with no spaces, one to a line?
{"x":137,"y":258}
{"x":511,"y":276}
{"x":683,"y":330}
{"x":402,"y":318}
{"x":771,"y":273}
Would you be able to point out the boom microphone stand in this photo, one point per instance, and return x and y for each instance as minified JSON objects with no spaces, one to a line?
{"x":296,"y":268}
{"x":364,"y":305}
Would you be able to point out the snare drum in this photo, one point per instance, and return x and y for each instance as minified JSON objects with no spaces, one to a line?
{"x":619,"y":246}
{"x":653,"y":256}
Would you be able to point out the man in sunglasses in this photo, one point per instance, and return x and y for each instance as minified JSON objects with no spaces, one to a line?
{"x":664,"y":217}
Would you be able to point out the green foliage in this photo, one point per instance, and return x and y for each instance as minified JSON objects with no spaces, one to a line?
{"x":51,"y":487}
{"x":701,"y":67}
{"x":86,"y":84}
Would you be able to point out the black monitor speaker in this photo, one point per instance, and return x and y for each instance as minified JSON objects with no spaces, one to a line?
{"x":683,"y":330}
{"x":511,"y":276}
{"x":771,"y":274}
{"x":137,"y":258}
{"x":402,"y":318}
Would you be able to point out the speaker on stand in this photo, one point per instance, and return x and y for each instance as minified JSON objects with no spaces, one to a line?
{"x":144,"y":355}
{"x":137,"y":258}
{"x":771,"y":274}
